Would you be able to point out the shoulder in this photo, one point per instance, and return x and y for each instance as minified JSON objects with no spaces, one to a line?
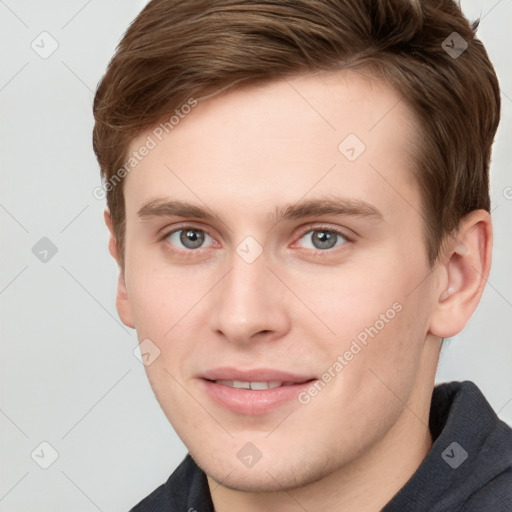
{"x":496,"y":495}
{"x":186,"y":488}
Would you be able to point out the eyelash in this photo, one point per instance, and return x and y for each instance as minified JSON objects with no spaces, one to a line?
{"x":310,"y":229}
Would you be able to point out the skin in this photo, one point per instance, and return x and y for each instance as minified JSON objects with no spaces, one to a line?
{"x":296,"y":308}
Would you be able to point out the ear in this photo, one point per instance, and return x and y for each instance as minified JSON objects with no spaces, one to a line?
{"x":123,"y":305}
{"x":465,"y":264}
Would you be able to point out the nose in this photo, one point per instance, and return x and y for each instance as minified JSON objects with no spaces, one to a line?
{"x":250,"y":304}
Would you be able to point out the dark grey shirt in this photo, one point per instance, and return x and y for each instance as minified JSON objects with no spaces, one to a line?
{"x":468,"y":469}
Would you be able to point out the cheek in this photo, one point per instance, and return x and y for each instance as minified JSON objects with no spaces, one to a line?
{"x":160,"y":295}
{"x":350,"y":298}
{"x":377,"y":322}
{"x":151,"y":306}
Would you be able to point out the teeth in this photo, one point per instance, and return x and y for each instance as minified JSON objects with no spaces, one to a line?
{"x":251,"y":385}
{"x":260,"y":385}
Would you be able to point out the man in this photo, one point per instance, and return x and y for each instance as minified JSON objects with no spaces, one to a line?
{"x":298,"y":226}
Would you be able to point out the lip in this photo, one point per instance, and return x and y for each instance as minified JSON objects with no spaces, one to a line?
{"x":254,"y":375}
{"x":252,"y":402}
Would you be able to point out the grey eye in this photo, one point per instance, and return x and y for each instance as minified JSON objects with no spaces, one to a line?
{"x":190,"y":238}
{"x":322,"y":239}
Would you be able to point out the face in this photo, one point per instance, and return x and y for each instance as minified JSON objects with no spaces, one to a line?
{"x":273,"y":242}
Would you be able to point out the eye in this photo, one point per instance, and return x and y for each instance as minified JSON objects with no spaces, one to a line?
{"x":322,"y":239}
{"x":188,"y":237}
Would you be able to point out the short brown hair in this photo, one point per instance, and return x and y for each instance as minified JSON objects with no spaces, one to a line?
{"x":176,"y":50}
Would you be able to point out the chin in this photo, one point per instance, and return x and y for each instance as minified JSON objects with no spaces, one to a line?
{"x":264,"y":476}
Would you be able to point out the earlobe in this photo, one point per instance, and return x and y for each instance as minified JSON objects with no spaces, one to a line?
{"x":466,"y":266}
{"x":123,"y":304}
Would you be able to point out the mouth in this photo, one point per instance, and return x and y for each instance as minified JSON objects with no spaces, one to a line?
{"x":253,"y":392}
{"x":256,"y":385}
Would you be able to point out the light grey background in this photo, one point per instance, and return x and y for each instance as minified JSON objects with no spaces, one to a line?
{"x":68,"y":373}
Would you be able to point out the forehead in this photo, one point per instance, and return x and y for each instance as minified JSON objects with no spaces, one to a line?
{"x":337,"y":132}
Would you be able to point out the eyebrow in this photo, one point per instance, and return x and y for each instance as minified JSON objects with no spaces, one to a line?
{"x":162,"y":207}
{"x":327,"y":206}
